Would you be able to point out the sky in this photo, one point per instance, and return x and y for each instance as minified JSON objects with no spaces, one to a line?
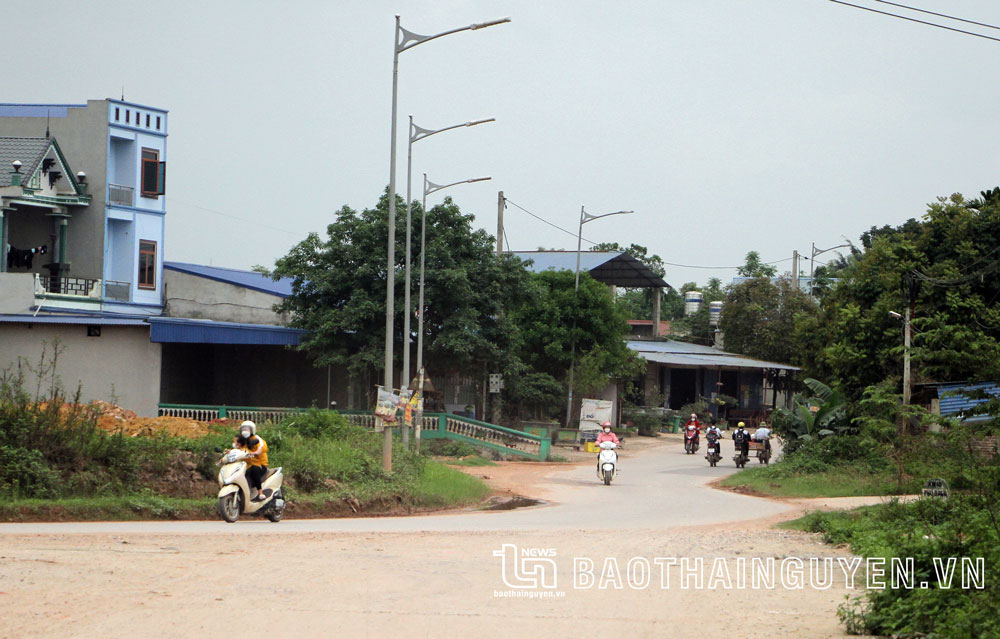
{"x":726,"y":125}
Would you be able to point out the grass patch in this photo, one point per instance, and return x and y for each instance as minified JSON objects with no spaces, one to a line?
{"x":842,"y":481}
{"x":117,"y":508}
{"x":472,"y":460}
{"x":439,"y":485}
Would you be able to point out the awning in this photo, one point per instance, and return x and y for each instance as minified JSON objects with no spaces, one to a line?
{"x":168,"y":330}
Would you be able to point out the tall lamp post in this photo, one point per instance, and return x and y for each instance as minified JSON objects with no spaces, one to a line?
{"x":417,"y":133}
{"x":402,"y":40}
{"x":812,"y":258}
{"x":584,"y":218}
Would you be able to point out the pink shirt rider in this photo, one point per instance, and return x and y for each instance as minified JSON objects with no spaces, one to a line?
{"x":607,"y":437}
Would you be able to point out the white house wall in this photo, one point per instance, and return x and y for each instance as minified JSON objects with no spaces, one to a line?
{"x":121,"y":365}
{"x":202,"y":298}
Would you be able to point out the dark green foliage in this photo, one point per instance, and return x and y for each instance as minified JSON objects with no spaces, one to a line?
{"x":759,"y":318}
{"x":450,"y":448}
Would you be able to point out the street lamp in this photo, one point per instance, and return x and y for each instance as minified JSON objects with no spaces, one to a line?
{"x":401,"y":41}
{"x":812,"y":258}
{"x":429,"y":187}
{"x":584,"y":218}
{"x":416,"y":134}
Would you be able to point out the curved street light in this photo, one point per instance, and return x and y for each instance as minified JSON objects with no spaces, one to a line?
{"x":417,"y":133}
{"x":402,"y":40}
{"x":584,"y":218}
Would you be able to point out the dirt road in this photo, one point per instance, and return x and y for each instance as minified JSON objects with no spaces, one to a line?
{"x":441,"y":575}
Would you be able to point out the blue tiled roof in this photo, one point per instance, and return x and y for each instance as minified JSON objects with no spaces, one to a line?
{"x":955,"y":402}
{"x":245,"y":279}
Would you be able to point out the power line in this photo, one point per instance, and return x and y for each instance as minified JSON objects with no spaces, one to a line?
{"x":236,"y":217}
{"x":538,"y":217}
{"x":931,"y":24}
{"x":940,"y":15}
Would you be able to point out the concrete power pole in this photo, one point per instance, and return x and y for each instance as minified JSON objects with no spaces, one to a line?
{"x":795,"y":269}
{"x":500,"y":207}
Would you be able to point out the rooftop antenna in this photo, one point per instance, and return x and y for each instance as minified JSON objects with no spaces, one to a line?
{"x":48,"y":112}
{"x":123,"y":92}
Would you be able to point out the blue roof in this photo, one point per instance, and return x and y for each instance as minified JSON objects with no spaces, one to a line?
{"x":954,"y":402}
{"x":193,"y":331}
{"x":89,"y":320}
{"x":683,"y":354}
{"x":245,"y":279}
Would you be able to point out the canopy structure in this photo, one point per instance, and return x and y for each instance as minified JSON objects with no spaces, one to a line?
{"x":615,"y":268}
{"x":683,"y":354}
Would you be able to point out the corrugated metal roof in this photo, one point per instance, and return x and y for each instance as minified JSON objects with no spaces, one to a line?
{"x":955,"y":402}
{"x":89,"y":320}
{"x":675,"y":353}
{"x":194,"y":331}
{"x":611,"y":267}
{"x":245,"y":279}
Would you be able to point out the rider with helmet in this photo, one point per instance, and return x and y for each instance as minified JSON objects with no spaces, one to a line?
{"x":763,"y":434}
{"x":606,"y":436}
{"x":742,"y":439}
{"x":256,"y":457}
{"x":713,"y":435}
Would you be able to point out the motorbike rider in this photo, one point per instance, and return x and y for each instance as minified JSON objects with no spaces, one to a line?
{"x":256,"y":457}
{"x":742,"y":439}
{"x":693,"y":421}
{"x":713,"y":435}
{"x":763,"y":434}
{"x":606,"y":436}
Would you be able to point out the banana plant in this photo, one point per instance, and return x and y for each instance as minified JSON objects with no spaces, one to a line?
{"x":819,"y":415}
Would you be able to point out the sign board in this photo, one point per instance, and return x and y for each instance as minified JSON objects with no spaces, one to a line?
{"x":385,"y":406}
{"x":594,"y":412}
{"x":496,"y":382}
{"x":936,"y":488}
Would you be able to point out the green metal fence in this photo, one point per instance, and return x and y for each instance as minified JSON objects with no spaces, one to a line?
{"x":503,"y":440}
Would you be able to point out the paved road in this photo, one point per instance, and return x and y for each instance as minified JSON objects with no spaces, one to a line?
{"x":659,"y":487}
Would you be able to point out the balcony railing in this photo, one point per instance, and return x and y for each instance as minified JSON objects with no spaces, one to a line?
{"x":118,"y":194}
{"x":69,"y":286}
{"x":118,"y":291}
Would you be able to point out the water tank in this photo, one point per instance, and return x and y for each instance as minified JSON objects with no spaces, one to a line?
{"x":692,"y":302}
{"x":714,"y":311}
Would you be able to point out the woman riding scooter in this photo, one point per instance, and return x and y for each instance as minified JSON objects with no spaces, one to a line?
{"x":256,"y":457}
{"x":606,"y":436}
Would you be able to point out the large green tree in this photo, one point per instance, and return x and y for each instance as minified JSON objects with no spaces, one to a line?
{"x":759,"y":317}
{"x":638,"y":302}
{"x":338,"y":292}
{"x":945,"y":267}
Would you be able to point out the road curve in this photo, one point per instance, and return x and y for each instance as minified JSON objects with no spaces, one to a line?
{"x":659,"y":487}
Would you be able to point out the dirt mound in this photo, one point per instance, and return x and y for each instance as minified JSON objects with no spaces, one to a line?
{"x":147,"y":426}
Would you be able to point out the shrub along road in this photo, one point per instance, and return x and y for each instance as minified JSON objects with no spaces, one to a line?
{"x":438,"y":574}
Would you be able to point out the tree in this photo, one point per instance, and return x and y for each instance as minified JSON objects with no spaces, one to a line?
{"x":755,"y":268}
{"x":945,"y":267}
{"x":638,"y":302}
{"x":552,"y":315}
{"x":696,"y":328}
{"x":338,"y":292}
{"x":759,"y":318}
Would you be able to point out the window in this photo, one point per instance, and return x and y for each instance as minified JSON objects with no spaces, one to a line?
{"x":117,"y":113}
{"x":147,"y":264}
{"x":147,"y":120}
{"x":127,"y":116}
{"x":154,"y":174}
{"x":157,"y":123}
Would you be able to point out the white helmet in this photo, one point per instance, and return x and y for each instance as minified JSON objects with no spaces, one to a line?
{"x":248,"y":425}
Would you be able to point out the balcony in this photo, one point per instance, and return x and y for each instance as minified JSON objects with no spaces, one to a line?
{"x":122,"y":195}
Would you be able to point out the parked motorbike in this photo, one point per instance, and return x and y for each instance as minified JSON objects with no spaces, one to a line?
{"x":714,"y":454}
{"x":234,"y":495}
{"x":607,"y":462}
{"x":691,"y":440}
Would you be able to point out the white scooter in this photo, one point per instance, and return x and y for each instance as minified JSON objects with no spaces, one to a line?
{"x":607,"y":462}
{"x":234,"y":496}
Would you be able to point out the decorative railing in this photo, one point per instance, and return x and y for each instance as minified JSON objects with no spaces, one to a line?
{"x":503,"y":440}
{"x":82,"y":287}
{"x":119,"y":194}
{"x":238,"y":413}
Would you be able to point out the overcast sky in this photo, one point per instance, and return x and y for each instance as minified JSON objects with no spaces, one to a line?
{"x":726,"y":125}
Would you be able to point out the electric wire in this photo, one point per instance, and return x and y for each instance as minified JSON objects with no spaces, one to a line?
{"x":931,"y":24}
{"x":940,"y":15}
{"x":235,"y":217}
{"x":540,"y":218}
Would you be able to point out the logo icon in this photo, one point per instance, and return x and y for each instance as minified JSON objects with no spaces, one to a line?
{"x":529,"y":568}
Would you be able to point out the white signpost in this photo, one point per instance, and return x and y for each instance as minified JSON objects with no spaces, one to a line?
{"x":594,"y":412}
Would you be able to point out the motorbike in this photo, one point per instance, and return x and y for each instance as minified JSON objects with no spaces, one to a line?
{"x":714,"y":453}
{"x":691,"y":441}
{"x":763,"y":450}
{"x":607,"y":462}
{"x":234,"y":494}
{"x":740,"y":458}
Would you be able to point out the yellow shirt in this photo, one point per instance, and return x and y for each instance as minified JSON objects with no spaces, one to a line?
{"x":260,"y":448}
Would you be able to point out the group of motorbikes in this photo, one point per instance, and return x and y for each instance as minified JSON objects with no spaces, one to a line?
{"x":692,"y":437}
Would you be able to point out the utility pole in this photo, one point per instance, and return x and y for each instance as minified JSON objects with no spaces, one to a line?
{"x":795,"y":269}
{"x":500,"y":207}
{"x":906,"y":354}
